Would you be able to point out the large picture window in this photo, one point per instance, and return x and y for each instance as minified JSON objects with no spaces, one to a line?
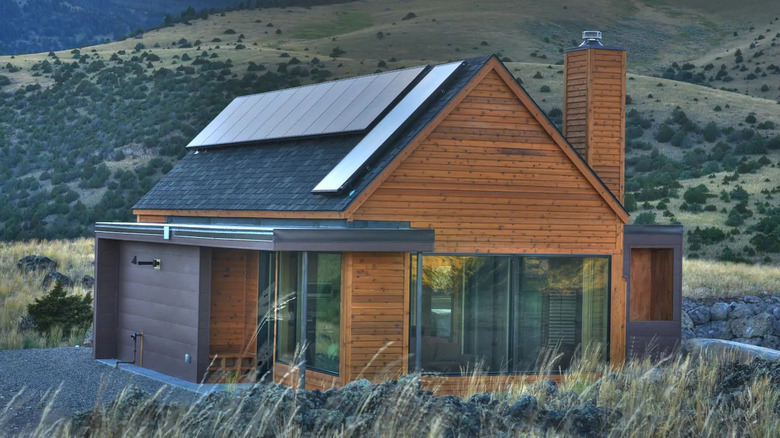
{"x":323,"y":308}
{"x":502,"y":313}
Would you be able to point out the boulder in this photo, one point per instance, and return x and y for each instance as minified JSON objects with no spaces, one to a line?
{"x":88,"y":281}
{"x":32,"y":263}
{"x":719,"y":312}
{"x":771,"y":341}
{"x":717,"y":347}
{"x":700,"y":315}
{"x":89,"y":339}
{"x":687,"y":322}
{"x":752,"y":327}
{"x":776,"y":327}
{"x":525,"y":406}
{"x":27,"y":322}
{"x":758,"y":342}
{"x":740,"y":310}
{"x":776,"y":312}
{"x":713,"y":330}
{"x":52,"y":276}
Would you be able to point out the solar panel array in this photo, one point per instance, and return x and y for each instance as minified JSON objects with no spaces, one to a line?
{"x":340,"y":176}
{"x":328,"y":108}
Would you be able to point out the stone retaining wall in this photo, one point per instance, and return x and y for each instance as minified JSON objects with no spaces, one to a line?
{"x":749,"y":320}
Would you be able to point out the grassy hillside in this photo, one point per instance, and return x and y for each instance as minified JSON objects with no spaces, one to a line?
{"x":85,"y":132}
{"x":43,"y":25}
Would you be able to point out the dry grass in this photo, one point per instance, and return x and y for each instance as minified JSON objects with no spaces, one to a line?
{"x":19,"y":288}
{"x":685,"y":396}
{"x":703,"y":279}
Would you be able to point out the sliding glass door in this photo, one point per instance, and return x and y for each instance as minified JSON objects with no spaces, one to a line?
{"x":502,"y":313}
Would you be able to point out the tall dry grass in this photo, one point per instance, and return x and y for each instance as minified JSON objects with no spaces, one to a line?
{"x":706,"y":278}
{"x":680,"y":397}
{"x":75,"y":258}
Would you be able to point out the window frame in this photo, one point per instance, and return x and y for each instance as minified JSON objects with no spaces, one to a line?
{"x":301,"y":303}
{"x":515,"y":274}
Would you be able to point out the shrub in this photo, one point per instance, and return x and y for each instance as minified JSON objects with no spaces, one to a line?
{"x":646,"y":218}
{"x":697,"y":195}
{"x":664,"y":133}
{"x":710,"y":132}
{"x":750,"y":118}
{"x":57,"y":309}
{"x":544,"y":89}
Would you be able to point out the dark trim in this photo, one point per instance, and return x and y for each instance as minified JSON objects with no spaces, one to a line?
{"x":653,"y":229}
{"x":418,"y":314}
{"x":273,"y":239}
{"x":596,"y":47}
{"x":303,"y":306}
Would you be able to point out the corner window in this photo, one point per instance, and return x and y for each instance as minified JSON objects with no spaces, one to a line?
{"x":323,"y":309}
{"x":501,"y":313}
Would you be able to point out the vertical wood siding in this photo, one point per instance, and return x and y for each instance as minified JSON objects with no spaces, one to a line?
{"x":234,"y":283}
{"x":489,"y":179}
{"x":575,"y":102}
{"x":594,"y":111}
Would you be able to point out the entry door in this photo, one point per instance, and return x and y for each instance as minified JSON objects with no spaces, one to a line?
{"x":653,"y":326}
{"x":265,"y":295}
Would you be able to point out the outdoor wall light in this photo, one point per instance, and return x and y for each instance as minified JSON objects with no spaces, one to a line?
{"x":155,"y":263}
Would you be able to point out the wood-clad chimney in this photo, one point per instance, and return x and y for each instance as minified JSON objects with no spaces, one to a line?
{"x":594,"y":116}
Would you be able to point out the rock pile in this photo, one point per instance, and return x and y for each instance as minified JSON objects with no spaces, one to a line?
{"x":364,"y":409}
{"x":749,"y":320}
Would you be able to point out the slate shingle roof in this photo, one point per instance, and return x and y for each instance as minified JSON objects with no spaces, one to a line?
{"x":279,"y":176}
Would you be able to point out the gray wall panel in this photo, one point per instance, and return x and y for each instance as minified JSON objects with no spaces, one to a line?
{"x":105,"y":302}
{"x":170,"y":329}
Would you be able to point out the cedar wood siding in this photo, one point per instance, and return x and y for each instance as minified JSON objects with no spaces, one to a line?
{"x":490,"y":179}
{"x":576,"y":101}
{"x":594,"y":111}
{"x":234,"y":289}
{"x":375,"y":330}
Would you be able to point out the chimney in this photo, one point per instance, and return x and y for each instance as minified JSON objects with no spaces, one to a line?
{"x":594,"y":102}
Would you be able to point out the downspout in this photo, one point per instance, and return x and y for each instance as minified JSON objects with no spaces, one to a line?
{"x":418,"y":316}
{"x":135,"y":337}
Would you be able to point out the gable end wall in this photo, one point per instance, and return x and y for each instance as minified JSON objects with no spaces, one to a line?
{"x":489,"y":179}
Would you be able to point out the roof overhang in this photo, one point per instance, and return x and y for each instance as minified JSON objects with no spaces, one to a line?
{"x":272,"y":238}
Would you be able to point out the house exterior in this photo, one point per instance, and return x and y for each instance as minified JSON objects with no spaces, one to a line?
{"x":420,"y":220}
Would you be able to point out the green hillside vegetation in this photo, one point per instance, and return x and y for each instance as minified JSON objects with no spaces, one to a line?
{"x":42,"y":25}
{"x":85,"y":132}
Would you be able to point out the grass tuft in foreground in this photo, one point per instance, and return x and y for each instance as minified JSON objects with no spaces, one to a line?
{"x":686,"y":396}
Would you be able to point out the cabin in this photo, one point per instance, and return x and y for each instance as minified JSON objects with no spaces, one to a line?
{"x":426,"y":220}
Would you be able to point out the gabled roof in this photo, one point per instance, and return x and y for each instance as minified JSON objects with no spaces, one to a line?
{"x":279,"y":174}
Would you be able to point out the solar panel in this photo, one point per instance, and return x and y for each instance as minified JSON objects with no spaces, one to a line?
{"x":328,"y":108}
{"x":349,"y":166}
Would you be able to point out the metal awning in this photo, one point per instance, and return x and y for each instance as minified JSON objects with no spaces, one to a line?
{"x":272,"y":238}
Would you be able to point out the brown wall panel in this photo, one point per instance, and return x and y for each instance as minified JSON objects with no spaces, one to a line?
{"x":105,"y":300}
{"x":161,"y":303}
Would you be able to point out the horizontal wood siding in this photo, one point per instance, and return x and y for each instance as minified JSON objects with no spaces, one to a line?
{"x":288,"y":375}
{"x":490,"y":179}
{"x":465,"y":386}
{"x":234,"y":276}
{"x":378,"y":323}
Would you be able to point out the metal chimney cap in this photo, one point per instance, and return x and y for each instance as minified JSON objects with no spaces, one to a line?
{"x":591,"y":35}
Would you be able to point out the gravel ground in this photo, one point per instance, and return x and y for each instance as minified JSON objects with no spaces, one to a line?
{"x":34,"y":375}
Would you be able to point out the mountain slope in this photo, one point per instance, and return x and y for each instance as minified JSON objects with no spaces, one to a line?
{"x":83,"y":133}
{"x":44,"y":25}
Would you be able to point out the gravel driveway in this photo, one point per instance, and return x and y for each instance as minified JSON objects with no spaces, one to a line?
{"x":82,"y":382}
